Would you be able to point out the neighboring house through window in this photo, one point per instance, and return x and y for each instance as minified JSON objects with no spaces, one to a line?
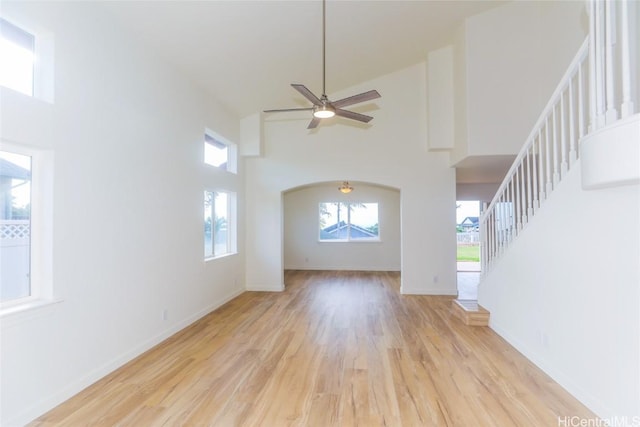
{"x":349,"y":221}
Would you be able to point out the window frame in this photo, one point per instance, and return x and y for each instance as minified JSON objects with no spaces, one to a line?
{"x":19,"y":37}
{"x":41,"y":233}
{"x":349,"y":239}
{"x":214,"y":139}
{"x":42,"y":76}
{"x":231,"y":240}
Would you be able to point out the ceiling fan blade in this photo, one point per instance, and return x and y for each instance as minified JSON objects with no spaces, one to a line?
{"x":307,"y":93}
{"x":355,"y":99}
{"x":353,"y":116}
{"x":314,"y":123}
{"x":287,"y":109}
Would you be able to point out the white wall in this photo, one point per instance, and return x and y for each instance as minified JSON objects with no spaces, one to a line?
{"x":440,"y":96}
{"x":391,"y":152}
{"x":303,"y":250}
{"x":460,"y":109}
{"x":566,"y":294}
{"x":516,"y":52}
{"x":126,"y":133}
{"x":508,"y":60}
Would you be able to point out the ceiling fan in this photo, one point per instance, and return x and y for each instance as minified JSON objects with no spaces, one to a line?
{"x":323,"y":108}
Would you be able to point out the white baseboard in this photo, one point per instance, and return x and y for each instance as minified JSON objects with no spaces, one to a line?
{"x":265,"y":288}
{"x":51,"y":402}
{"x":428,"y":291}
{"x":563,"y":380}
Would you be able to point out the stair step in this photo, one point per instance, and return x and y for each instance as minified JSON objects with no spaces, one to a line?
{"x":470,"y":312}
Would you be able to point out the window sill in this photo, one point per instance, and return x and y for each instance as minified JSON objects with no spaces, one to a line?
{"x":351,"y":241}
{"x":23,"y":310}
{"x":213,"y":258}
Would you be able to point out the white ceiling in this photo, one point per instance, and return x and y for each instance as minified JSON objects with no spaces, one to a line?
{"x":247,"y":53}
{"x":483,"y":169}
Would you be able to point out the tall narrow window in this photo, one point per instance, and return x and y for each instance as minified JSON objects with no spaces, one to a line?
{"x":348,"y":221}
{"x":218,"y":224}
{"x":17,"y":48}
{"x":15,"y":226}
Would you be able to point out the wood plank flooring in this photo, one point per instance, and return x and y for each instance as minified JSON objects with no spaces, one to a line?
{"x":334,"y":349}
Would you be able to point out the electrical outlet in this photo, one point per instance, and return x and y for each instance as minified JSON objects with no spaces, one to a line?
{"x":165,"y":314}
{"x":435,"y":279}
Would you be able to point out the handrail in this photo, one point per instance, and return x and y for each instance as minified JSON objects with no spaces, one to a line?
{"x":595,"y":91}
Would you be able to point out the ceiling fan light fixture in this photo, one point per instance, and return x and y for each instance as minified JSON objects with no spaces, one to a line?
{"x":345,"y":188}
{"x":323,"y":108}
{"x":324,"y":112}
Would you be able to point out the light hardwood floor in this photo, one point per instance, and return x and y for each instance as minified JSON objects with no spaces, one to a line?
{"x":334,"y":349}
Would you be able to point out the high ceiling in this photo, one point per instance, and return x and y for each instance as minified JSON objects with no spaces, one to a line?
{"x":247,"y":53}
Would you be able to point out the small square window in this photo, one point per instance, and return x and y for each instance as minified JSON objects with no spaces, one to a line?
{"x":216,"y":153}
{"x":220,"y":153}
{"x":17,"y":56}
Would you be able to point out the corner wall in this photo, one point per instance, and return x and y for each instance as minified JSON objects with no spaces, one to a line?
{"x":566,"y":291}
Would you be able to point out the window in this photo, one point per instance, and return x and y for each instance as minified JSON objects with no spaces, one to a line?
{"x":219,"y":153}
{"x":219,"y":230}
{"x":348,"y":221}
{"x":15,"y":226}
{"x":17,"y":49}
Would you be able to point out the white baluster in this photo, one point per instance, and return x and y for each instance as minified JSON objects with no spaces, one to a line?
{"x":547,"y":150}
{"x":563,"y":136}
{"x":523,"y":193}
{"x":516,"y":183}
{"x":483,"y":263}
{"x":513,"y":230}
{"x":541,"y":197}
{"x":503,"y":221}
{"x":593,"y":122}
{"x":572,"y":124}
{"x":556,"y":175}
{"x":612,"y":114}
{"x":581,"y":128}
{"x":534,"y":166}
{"x":529,"y":197}
{"x":599,"y":72}
{"x":627,"y":108}
{"x":484,"y":252}
{"x":496,"y":208}
{"x":492,"y":239}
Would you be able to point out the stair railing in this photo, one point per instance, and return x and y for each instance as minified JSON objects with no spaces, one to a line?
{"x":601,"y":83}
{"x":547,"y":155}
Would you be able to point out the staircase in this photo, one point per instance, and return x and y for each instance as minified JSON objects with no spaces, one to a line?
{"x":591,"y":116}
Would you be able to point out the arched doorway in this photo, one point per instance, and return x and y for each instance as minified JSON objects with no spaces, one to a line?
{"x":325,"y":229}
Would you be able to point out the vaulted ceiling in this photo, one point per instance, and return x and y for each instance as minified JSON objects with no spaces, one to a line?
{"x":247,"y":53}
